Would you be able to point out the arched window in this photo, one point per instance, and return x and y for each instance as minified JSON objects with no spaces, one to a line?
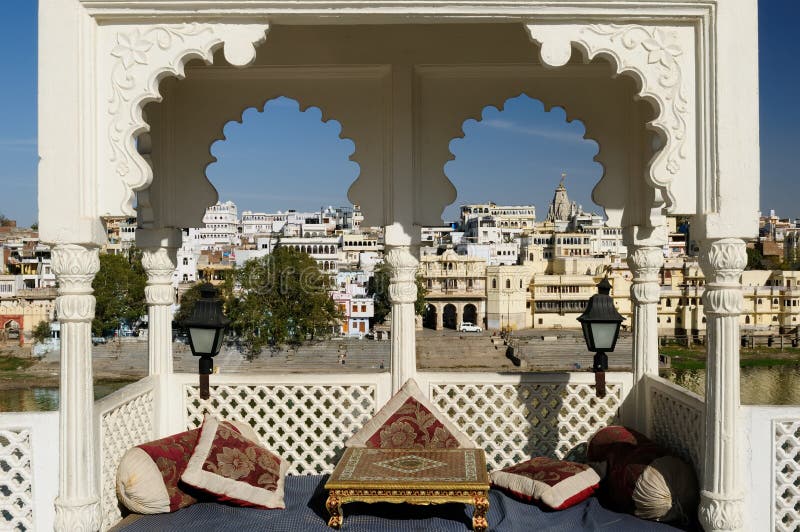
{"x":494,"y":283}
{"x":508,"y":283}
{"x":520,"y":283}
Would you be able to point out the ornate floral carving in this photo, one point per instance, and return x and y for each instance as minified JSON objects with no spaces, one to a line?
{"x":718,"y":513}
{"x":722,"y":262}
{"x":77,"y":517}
{"x":159,"y":265}
{"x":645,"y":262}
{"x":75,"y":267}
{"x":140,"y":56}
{"x":654,"y":56}
{"x":403,"y":282}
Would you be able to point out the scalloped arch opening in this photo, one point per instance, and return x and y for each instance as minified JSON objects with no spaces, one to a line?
{"x":579,"y":51}
{"x":515,"y":153}
{"x":283,"y":154}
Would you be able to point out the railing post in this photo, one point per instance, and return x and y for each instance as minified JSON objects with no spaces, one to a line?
{"x":721,"y":498}
{"x":645,"y":262}
{"x":77,"y":504}
{"x":403,"y":295}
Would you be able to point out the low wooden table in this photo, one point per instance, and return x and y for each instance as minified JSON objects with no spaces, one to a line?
{"x":410,"y":476}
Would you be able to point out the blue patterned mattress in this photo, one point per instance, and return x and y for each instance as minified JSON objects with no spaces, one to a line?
{"x":305,"y":512}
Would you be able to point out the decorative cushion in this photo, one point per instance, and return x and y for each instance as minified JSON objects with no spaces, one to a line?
{"x":604,"y":438}
{"x":409,"y":421}
{"x":231,"y":468}
{"x":650,"y":483}
{"x":556,"y":484}
{"x":148,"y":476}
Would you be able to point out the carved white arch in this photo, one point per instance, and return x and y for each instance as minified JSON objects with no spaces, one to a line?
{"x":137,"y":58}
{"x":444,"y":116}
{"x":328,"y":111}
{"x":660,"y":59}
{"x":349,"y":95}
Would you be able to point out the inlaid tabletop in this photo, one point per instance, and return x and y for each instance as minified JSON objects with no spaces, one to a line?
{"x":361,"y":467}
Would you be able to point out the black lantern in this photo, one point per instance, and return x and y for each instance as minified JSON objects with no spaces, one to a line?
{"x":600,"y":322}
{"x":206,"y":328}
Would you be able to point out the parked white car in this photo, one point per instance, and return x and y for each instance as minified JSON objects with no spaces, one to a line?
{"x":469,"y":327}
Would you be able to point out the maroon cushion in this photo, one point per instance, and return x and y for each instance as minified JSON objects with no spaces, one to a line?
{"x":613,"y":435}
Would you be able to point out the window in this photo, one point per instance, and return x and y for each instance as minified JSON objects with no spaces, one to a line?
{"x":669,"y":302}
{"x":508,"y":283}
{"x":520,"y":283}
{"x":494,"y":283}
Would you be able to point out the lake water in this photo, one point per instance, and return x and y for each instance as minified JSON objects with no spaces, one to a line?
{"x":44,"y":399}
{"x":778,"y":385}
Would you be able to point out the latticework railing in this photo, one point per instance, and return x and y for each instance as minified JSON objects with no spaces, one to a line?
{"x":677,"y":420}
{"x":306,"y":421}
{"x":516,"y":416}
{"x":16,"y":479}
{"x":787,"y":475}
{"x":123,"y":419}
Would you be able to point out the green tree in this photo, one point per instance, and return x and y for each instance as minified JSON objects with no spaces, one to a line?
{"x":284,"y":299}
{"x":755,"y":260}
{"x":42,"y":331}
{"x":189,"y":298}
{"x":378,"y":288}
{"x":118,"y":291}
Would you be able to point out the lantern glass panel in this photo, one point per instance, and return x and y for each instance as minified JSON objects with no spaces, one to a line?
{"x":603,"y":335}
{"x":203,"y":339}
{"x":218,"y":340}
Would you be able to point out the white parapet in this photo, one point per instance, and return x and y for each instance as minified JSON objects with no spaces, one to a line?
{"x":28,"y":470}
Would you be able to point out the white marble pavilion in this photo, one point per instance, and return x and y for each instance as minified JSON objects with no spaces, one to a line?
{"x":132,"y":93}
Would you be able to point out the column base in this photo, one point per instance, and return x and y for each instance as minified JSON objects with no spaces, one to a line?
{"x":720,"y":513}
{"x":77,"y":515}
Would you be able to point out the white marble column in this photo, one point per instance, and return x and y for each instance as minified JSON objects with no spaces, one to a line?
{"x":645,"y":263}
{"x":721,"y":498}
{"x":403,"y":294}
{"x":159,"y":265}
{"x":77,"y":504}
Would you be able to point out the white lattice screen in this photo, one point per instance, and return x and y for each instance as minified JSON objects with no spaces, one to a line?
{"x":787,"y":476}
{"x":124,"y":426}
{"x":16,"y":480}
{"x":514,"y":421}
{"x":678,"y":425}
{"x":306,"y":424}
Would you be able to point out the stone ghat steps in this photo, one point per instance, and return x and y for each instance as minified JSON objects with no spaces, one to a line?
{"x":570,"y":354}
{"x":462,"y":351}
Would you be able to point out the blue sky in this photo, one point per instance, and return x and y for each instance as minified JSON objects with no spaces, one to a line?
{"x":523,"y":146}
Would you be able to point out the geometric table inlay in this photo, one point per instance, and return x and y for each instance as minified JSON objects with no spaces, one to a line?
{"x":411,"y":476}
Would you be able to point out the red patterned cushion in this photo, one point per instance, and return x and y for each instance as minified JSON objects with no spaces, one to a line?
{"x":409,"y":421}
{"x":233,"y":469}
{"x":606,"y":438}
{"x":148,"y":476}
{"x":171,"y":454}
{"x":557,"y":484}
{"x":412,"y":426}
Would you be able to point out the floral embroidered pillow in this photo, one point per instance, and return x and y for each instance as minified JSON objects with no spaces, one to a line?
{"x":148,"y":476}
{"x":554,"y":483}
{"x":409,"y":421}
{"x":231,"y":468}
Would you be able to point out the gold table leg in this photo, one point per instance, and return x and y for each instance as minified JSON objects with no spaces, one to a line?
{"x":334,"y":506}
{"x":479,"y":522}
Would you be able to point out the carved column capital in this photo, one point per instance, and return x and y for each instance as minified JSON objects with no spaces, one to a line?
{"x":718,"y":513}
{"x":159,"y":265}
{"x":645,"y":262}
{"x":75,"y":267}
{"x":77,"y":516}
{"x":403,"y":279}
{"x":722,"y":262}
